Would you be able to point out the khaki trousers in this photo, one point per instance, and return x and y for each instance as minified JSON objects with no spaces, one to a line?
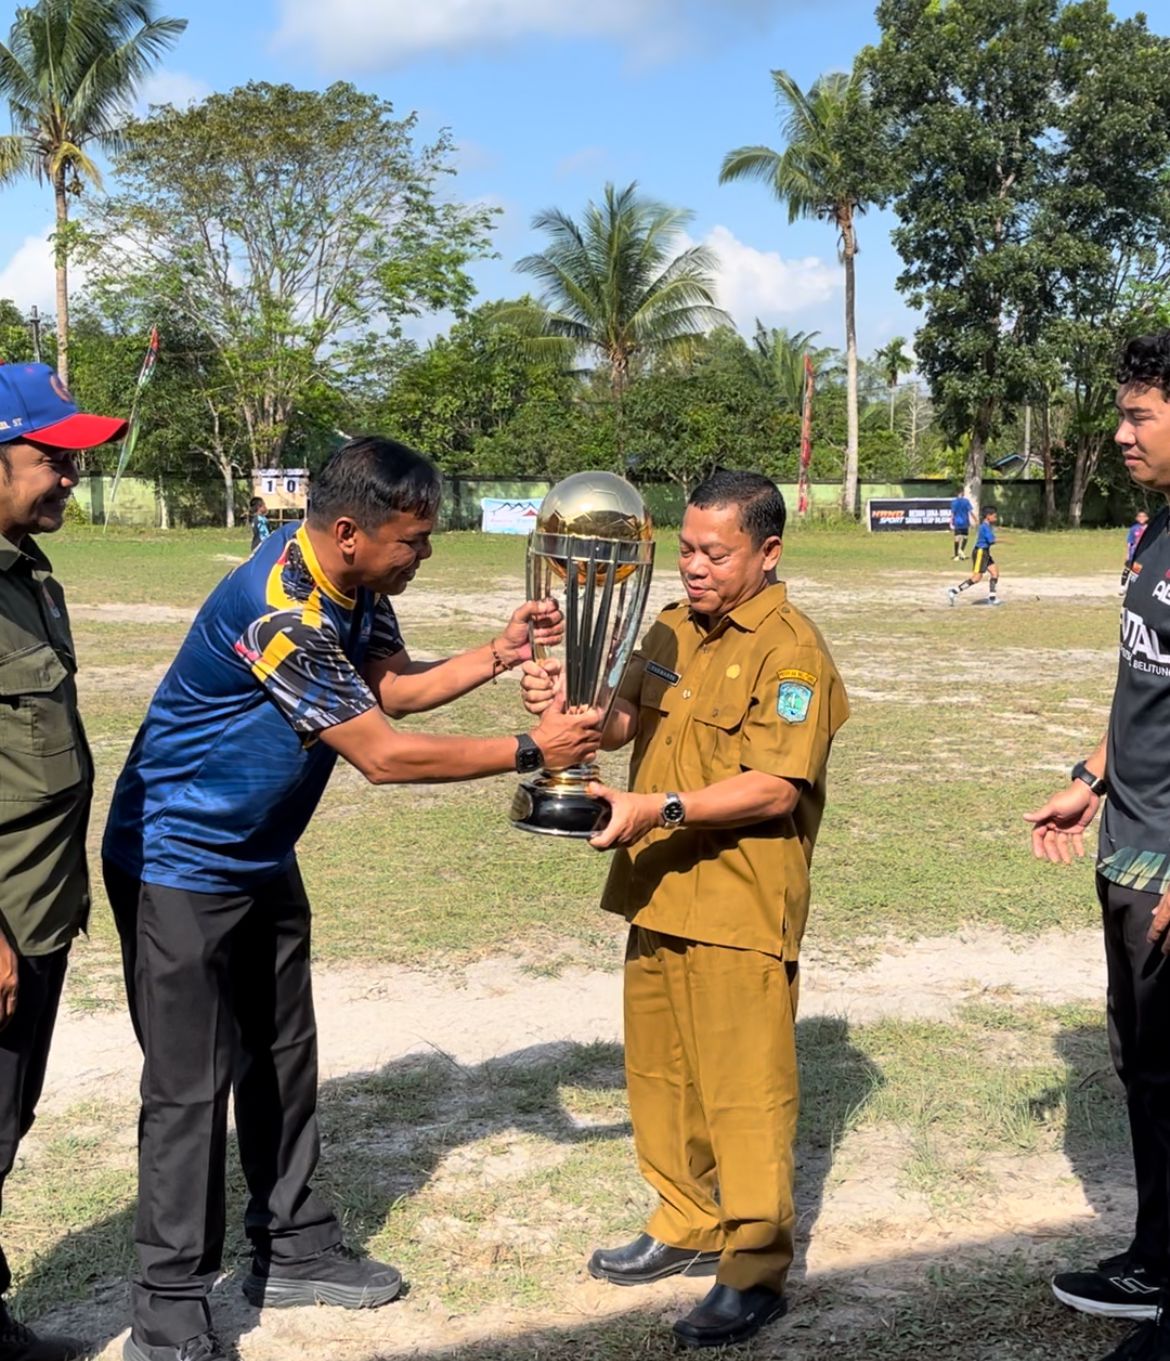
{"x":713,"y":1087}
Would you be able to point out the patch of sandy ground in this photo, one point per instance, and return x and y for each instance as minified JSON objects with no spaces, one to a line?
{"x":863,"y":1237}
{"x":425,"y":604}
{"x":866,"y":1235}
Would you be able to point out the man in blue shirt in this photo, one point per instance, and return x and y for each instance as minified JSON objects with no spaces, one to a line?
{"x":1132,"y":539}
{"x":296,"y":654}
{"x":961,"y":514}
{"x":982,"y":561}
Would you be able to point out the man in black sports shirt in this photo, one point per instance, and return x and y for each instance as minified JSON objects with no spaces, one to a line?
{"x":1131,"y":767}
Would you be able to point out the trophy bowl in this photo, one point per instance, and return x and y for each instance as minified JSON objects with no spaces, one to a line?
{"x":592,"y":548}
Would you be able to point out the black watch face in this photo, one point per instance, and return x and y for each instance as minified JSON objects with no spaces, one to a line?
{"x":527,"y":760}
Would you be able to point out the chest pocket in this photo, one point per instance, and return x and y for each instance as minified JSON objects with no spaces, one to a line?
{"x":717,"y":731}
{"x":39,"y":754}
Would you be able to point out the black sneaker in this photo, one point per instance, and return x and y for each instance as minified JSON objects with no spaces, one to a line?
{"x":336,"y":1276}
{"x":1119,"y":1288}
{"x":20,"y":1343}
{"x":205,"y":1347}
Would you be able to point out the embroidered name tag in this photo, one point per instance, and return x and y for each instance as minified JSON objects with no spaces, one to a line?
{"x":670,"y":677}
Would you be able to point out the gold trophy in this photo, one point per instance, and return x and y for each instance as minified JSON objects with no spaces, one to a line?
{"x":593,"y":544}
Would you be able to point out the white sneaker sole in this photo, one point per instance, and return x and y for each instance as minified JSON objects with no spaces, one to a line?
{"x":1101,"y":1310}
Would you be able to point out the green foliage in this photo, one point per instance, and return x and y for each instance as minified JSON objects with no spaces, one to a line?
{"x":293,"y":230}
{"x":67,"y":72}
{"x":1030,"y":140}
{"x":466,"y":386}
{"x":616,"y":285}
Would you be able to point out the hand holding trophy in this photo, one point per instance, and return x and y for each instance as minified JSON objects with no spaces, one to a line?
{"x":592,"y":543}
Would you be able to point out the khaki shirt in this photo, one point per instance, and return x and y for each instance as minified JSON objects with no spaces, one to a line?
{"x":46,"y":774}
{"x":759,"y":692}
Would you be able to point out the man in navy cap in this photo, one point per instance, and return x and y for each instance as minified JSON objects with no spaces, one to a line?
{"x":46,"y":776}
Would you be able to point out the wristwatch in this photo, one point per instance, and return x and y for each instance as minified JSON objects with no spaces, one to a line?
{"x":1097,"y":783}
{"x":529,"y":757}
{"x":674,"y":811}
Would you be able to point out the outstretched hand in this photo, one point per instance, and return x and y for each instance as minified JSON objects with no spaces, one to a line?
{"x":1058,"y":829}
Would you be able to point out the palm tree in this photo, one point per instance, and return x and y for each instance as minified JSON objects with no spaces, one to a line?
{"x":779,"y":356}
{"x":68,"y":72}
{"x":815,"y":177}
{"x":893,"y":361}
{"x":616,"y":284}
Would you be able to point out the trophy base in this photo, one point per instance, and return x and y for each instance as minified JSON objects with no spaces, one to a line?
{"x":557,"y":810}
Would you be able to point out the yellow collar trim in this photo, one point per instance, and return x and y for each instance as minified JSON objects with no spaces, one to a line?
{"x":347,"y":602}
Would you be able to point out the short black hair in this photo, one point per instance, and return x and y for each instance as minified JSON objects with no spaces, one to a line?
{"x":255,"y":501}
{"x":762,"y":512}
{"x":371,"y":478}
{"x":989,"y":510}
{"x":1145,"y":362}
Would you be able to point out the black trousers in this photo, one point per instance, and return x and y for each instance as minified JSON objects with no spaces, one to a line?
{"x":221,"y":999}
{"x":1139,"y":1023}
{"x":24,"y":1052}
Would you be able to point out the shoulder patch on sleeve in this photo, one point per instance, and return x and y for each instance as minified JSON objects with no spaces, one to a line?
{"x":804,"y":677}
{"x":794,"y":697}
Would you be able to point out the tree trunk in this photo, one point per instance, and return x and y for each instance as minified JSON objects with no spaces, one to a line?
{"x":977,"y":456}
{"x":229,"y":484}
{"x":849,"y":251}
{"x":893,"y":399}
{"x":61,"y":205}
{"x":1084,"y":466}
{"x":1049,"y":473}
{"x":164,"y":513}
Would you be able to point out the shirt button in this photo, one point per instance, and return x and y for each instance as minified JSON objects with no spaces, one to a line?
{"x":669,"y":740}
{"x":654,"y":789}
{"x":714,"y":713}
{"x":686,"y":694}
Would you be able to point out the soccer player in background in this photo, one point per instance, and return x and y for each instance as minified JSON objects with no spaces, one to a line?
{"x":1132,"y":539}
{"x":962,"y":513}
{"x":982,"y":561}
{"x":258,"y":514}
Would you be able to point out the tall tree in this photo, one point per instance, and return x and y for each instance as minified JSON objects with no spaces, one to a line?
{"x":893,"y":361}
{"x":616,"y":283}
{"x":68,"y":72}
{"x":1103,"y":216}
{"x":819,"y":174}
{"x":291,"y":229}
{"x":967,"y":90}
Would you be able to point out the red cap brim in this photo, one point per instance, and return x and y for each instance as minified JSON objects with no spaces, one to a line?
{"x":79,"y":432}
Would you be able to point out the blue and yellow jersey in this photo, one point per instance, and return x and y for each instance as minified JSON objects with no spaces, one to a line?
{"x":986,"y":536}
{"x":226,"y":769}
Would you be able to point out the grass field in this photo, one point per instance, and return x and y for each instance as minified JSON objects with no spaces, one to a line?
{"x":491,"y":1181}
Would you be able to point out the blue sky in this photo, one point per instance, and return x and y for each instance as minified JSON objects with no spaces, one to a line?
{"x":547,"y":100}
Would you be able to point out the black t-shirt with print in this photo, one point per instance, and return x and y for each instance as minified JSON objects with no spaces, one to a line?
{"x":1134,"y":847}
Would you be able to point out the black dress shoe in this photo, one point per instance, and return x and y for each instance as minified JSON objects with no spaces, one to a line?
{"x":646,"y":1259}
{"x":725,"y":1315}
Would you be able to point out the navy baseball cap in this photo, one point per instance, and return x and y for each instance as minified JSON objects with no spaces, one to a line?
{"x":36,"y":405}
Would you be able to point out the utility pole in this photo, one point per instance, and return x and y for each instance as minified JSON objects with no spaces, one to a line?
{"x":34,"y":326}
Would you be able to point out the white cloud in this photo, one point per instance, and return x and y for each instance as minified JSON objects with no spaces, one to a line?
{"x":358,"y":34}
{"x":29,"y":277}
{"x":163,"y":86}
{"x":756,"y":283}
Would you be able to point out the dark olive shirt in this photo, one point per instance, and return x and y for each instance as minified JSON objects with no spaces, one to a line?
{"x":46,"y":774}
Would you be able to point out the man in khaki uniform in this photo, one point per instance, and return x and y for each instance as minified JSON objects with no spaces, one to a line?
{"x":46,"y":775}
{"x":732,"y":703}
